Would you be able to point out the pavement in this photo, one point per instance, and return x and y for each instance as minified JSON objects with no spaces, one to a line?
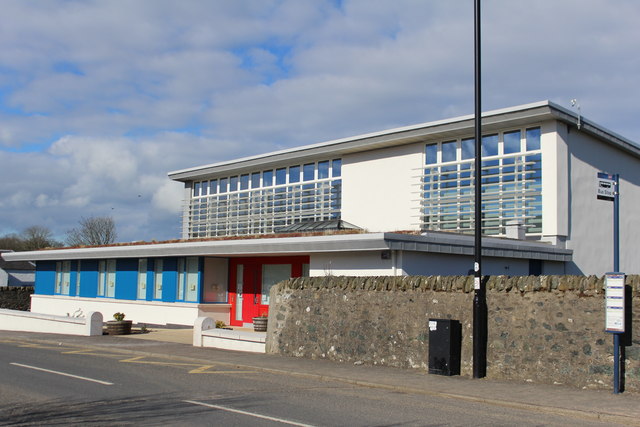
{"x":601,"y":405}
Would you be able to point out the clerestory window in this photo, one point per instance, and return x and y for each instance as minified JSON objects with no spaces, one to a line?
{"x":511,"y":183}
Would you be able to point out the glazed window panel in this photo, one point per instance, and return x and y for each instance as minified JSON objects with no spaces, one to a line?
{"x":255,"y":180}
{"x":111,"y":279}
{"x":142,"y":278}
{"x":181,"y":274}
{"x":511,"y":183}
{"x":294,"y":174}
{"x":267,"y":178}
{"x":323,"y":170}
{"x":233,"y":183}
{"x":78,"y":277}
{"x":63,"y":277}
{"x":244,"y":182}
{"x":261,"y":202}
{"x":157,"y":279}
{"x":431,"y":154}
{"x":192,"y":279}
{"x":102,"y":277}
{"x":336,"y":168}
{"x":512,"y":142}
{"x":272,"y":274}
{"x":533,"y":139}
{"x":309,"y":172}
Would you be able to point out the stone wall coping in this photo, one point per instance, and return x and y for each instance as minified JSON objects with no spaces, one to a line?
{"x":260,"y":337}
{"x":50,"y":317}
{"x":581,"y":285}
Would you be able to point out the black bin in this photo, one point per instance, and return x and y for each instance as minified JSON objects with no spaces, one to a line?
{"x":445,"y":338}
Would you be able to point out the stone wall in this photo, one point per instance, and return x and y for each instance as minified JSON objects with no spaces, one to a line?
{"x":16,"y":297}
{"x":547,"y":329}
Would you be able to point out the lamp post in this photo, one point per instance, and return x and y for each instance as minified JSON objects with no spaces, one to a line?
{"x":479,"y":297}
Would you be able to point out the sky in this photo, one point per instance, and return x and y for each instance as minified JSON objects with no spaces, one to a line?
{"x":100,"y":99}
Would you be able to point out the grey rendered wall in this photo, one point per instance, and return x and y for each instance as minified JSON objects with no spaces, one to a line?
{"x":590,"y":219}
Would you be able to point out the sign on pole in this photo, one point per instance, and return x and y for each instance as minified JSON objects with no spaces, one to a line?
{"x":614,"y":302}
{"x":606,"y":186}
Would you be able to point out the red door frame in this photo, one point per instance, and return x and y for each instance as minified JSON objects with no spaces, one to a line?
{"x":252,"y":284}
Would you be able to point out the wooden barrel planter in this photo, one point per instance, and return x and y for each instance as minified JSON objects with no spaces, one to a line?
{"x":119,"y":327}
{"x":260,"y":324}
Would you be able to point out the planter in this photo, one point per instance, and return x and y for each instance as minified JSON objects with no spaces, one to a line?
{"x":119,"y":327}
{"x":260,"y":324}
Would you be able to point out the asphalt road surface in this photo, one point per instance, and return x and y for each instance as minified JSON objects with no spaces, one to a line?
{"x":48,"y":384}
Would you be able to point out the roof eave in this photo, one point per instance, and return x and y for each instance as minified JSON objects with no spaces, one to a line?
{"x":447,"y":243}
{"x":451,"y":127}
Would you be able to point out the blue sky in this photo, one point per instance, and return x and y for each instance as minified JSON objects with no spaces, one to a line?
{"x":100,"y":99}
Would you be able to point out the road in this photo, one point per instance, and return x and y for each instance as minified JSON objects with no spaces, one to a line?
{"x":49,"y":384}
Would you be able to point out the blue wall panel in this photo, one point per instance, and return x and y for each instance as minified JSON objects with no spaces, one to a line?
{"x":200,"y":280}
{"x":73,"y":278}
{"x":170,"y":280}
{"x":127,"y":278}
{"x":45,"y":277}
{"x":150,"y":284}
{"x":89,"y":278}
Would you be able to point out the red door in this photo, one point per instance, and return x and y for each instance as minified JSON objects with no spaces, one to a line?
{"x":250,"y":280}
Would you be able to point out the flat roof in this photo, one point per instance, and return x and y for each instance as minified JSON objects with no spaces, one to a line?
{"x":453,"y":127}
{"x":431,"y":242}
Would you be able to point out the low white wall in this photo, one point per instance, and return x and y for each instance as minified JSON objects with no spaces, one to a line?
{"x":205,"y":334}
{"x":154,"y":312}
{"x":25,"y":321}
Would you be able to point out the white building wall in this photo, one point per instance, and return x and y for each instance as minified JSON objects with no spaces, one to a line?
{"x":591,"y":220}
{"x":350,"y":264}
{"x":380,"y":188}
{"x":153,"y":312}
{"x":186,"y":198}
{"x":419,"y":263}
{"x":555,"y":183}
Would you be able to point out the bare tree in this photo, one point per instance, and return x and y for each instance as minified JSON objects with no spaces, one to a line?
{"x":93,"y":231}
{"x":12,"y":242}
{"x":38,"y":237}
{"x":32,"y":238}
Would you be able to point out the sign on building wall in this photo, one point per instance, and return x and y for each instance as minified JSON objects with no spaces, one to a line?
{"x":614,"y":302}
{"x":606,"y":186}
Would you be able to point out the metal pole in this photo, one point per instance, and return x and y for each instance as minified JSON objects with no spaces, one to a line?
{"x":616,"y":224}
{"x":479,"y":297}
{"x":616,"y":363}
{"x":616,"y":269}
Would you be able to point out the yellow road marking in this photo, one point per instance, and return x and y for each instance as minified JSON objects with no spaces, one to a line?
{"x":43,"y":346}
{"x":138,"y":359}
{"x":199,"y":369}
{"x":204,"y":370}
{"x":87,"y":351}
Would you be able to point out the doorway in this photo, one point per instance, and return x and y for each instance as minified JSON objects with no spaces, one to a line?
{"x":251,"y":279}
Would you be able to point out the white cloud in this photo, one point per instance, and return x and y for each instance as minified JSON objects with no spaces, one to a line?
{"x":99,"y":100}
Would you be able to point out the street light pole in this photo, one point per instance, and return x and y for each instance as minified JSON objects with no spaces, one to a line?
{"x":479,"y":297}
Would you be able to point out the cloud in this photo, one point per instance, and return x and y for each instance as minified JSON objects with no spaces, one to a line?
{"x":99,"y":100}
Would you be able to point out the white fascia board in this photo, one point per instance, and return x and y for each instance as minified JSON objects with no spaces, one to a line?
{"x":435,"y":242}
{"x":227,"y":248}
{"x":463,"y":244}
{"x":451,"y":127}
{"x":448,"y":128}
{"x":600,"y":132}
